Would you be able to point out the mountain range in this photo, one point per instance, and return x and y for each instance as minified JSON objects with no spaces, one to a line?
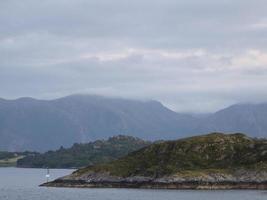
{"x":41,"y":125}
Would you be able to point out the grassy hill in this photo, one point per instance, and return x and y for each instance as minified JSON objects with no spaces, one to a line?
{"x":212,"y":151}
{"x":213,"y":161}
{"x":81,"y":155}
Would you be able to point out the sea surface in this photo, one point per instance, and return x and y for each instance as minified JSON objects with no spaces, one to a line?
{"x":22,"y":184}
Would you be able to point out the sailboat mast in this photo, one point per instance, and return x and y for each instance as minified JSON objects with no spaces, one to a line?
{"x":47,"y":175}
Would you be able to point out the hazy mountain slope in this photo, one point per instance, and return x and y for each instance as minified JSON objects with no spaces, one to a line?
{"x":29,"y":124}
{"x":108,"y":116}
{"x":246,"y":118}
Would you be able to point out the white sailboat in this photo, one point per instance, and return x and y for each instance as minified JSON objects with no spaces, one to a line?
{"x":47,"y":175}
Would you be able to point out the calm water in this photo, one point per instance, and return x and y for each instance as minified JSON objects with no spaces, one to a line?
{"x":22,"y":184}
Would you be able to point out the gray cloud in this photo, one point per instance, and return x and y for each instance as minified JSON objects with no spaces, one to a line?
{"x":191,"y":55}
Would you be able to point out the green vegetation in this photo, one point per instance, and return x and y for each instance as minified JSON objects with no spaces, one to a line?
{"x":81,"y":155}
{"x":9,"y":159}
{"x":10,"y":162}
{"x":6,"y":155}
{"x":215,"y":152}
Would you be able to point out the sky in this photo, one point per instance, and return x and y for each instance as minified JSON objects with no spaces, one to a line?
{"x":192,"y":55}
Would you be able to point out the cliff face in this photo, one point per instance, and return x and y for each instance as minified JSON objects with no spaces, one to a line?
{"x":214,"y":161}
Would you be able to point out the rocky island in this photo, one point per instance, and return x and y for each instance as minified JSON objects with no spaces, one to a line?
{"x":213,"y":161}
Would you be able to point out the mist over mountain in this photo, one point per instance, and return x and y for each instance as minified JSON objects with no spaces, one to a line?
{"x":40,"y":125}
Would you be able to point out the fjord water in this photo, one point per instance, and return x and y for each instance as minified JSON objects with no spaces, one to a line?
{"x":22,"y":184}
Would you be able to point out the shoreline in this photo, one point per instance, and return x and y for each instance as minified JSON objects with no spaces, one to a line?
{"x":155,"y":185}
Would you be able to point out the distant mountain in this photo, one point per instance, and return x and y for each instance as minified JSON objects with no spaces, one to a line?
{"x":41,"y":125}
{"x":246,"y":118}
{"x":82,"y":155}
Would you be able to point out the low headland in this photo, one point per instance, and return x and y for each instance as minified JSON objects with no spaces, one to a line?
{"x":84,"y":154}
{"x":212,"y":161}
{"x":10,"y":159}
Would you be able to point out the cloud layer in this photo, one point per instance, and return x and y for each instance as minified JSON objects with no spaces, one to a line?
{"x":194,"y":56}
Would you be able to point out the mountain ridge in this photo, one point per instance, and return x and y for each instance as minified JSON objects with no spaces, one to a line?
{"x":41,"y":125}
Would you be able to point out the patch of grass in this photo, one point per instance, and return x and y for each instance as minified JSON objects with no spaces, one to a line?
{"x":10,"y":162}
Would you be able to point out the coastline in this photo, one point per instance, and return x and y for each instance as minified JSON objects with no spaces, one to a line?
{"x":210,"y":162}
{"x":156,"y":185}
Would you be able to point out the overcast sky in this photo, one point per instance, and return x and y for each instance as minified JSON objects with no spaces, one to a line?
{"x":192,"y":55}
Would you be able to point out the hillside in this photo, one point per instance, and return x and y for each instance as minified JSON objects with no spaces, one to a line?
{"x":205,"y":162}
{"x":41,"y":125}
{"x":245,"y":118}
{"x":81,"y":155}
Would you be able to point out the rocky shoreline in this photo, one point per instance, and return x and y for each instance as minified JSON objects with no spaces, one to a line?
{"x":245,"y":180}
{"x":147,"y":185}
